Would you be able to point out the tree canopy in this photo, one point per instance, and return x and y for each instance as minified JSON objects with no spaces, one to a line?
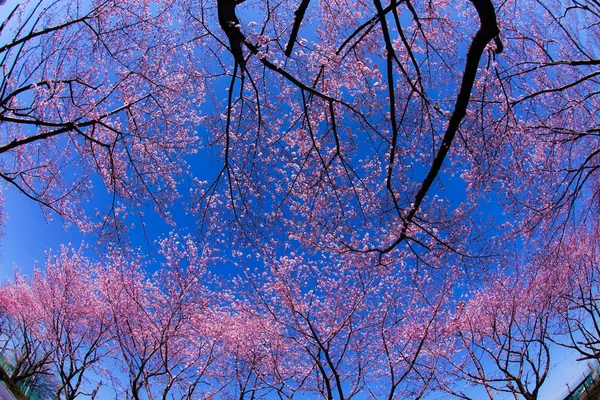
{"x":405,"y":195}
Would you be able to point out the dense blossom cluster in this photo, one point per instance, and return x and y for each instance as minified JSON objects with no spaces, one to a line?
{"x":407,"y":194}
{"x":304,"y":328}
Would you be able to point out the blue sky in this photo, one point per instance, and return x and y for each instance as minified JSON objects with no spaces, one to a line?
{"x":27,"y":235}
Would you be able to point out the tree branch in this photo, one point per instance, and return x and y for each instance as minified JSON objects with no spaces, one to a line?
{"x":297,"y":21}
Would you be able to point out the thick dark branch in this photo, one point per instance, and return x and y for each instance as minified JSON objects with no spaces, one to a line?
{"x":296,"y":28}
{"x":61,"y":128}
{"x":12,"y":13}
{"x":40,"y":136}
{"x":231,"y":26}
{"x":488,"y":31}
{"x":391,"y":94}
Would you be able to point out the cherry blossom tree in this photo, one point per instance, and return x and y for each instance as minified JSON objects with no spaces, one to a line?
{"x":87,"y":91}
{"x":257,"y":359}
{"x":29,"y":358}
{"x":330,"y":329}
{"x":533,"y":136}
{"x":313,"y":128}
{"x":62,"y":323}
{"x":503,"y":337}
{"x":339,"y":131}
{"x":74,"y":317}
{"x":579,"y":313}
{"x":343,"y":136}
{"x":80,"y":317}
{"x":161,"y":327}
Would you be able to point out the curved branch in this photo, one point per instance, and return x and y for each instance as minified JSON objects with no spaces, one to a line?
{"x":296,"y":28}
{"x":487,"y":32}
